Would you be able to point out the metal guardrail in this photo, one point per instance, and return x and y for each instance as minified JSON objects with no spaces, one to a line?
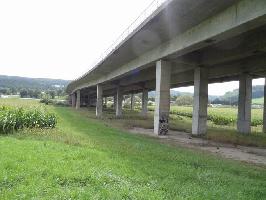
{"x":155,"y":4}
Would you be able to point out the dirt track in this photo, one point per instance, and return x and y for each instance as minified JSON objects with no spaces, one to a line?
{"x":252,"y":155}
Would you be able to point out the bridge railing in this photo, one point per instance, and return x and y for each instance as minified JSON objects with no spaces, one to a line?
{"x":131,"y":28}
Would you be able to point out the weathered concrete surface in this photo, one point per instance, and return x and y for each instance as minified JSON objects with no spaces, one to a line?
{"x":119,"y":97}
{"x":162,"y":97}
{"x":264,"y":109}
{"x":99,"y":103}
{"x":244,"y":104}
{"x":73,"y":100}
{"x":144,"y":102}
{"x":115,"y":101}
{"x":78,"y":100}
{"x":132,"y":101}
{"x":199,"y":120}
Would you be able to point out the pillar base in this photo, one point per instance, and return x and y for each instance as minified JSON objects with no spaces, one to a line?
{"x":243,"y":126}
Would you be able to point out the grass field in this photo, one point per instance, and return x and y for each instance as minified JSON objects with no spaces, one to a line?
{"x":258,"y":101}
{"x":86,"y":158}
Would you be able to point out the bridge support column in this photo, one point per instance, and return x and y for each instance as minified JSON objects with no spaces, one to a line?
{"x":115,"y":101}
{"x":200,"y":105}
{"x":73,"y":100}
{"x":132,"y":99}
{"x":264,"y":109}
{"x":88,"y":100}
{"x":162,"y":97}
{"x":144,"y":102}
{"x":78,"y":100}
{"x":99,"y":102}
{"x":119,"y":101}
{"x":244,"y":104}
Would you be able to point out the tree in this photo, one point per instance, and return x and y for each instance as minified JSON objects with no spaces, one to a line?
{"x":52,"y":93}
{"x":24,"y":93}
{"x":3,"y":90}
{"x":184,"y":100}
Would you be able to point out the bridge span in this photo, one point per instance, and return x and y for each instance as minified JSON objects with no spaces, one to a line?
{"x":183,"y":43}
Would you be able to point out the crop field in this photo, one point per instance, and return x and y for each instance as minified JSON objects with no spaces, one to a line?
{"x":88,"y":158}
{"x":219,"y":116}
{"x":17,"y":117}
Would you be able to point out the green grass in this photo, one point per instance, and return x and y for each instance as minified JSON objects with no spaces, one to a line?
{"x":259,"y":101}
{"x":86,"y":158}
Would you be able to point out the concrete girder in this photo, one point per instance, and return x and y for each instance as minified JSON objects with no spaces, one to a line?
{"x":241,"y":17}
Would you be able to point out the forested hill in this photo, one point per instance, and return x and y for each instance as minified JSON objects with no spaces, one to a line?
{"x":15,"y":82}
{"x":232,"y":96}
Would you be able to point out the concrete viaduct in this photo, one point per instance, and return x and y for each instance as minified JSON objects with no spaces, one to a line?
{"x":183,"y":43}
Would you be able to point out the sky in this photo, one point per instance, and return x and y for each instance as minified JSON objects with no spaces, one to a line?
{"x":63,"y":38}
{"x":217,"y":89}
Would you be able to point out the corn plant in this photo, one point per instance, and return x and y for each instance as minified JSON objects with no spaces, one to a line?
{"x":13,"y":119}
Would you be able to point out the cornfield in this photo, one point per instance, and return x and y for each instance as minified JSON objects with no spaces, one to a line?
{"x":16,"y":118}
{"x":219,"y":116}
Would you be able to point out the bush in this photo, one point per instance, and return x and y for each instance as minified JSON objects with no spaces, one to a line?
{"x":46,"y":101}
{"x":219,"y":120}
{"x":55,"y":102}
{"x":13,"y":119}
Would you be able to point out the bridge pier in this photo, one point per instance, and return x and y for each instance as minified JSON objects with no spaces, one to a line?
{"x":200,"y":105}
{"x":264,"y":109}
{"x":119,"y":101}
{"x":73,"y":100}
{"x":99,"y":103}
{"x":244,"y":104}
{"x":78,"y":100}
{"x":162,"y":97}
{"x":144,"y":102}
{"x":132,"y":101}
{"x":88,"y":100}
{"x":115,"y":101}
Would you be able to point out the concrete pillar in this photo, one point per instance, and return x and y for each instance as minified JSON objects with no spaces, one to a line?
{"x":244,"y":104}
{"x":264,"y":109}
{"x":88,"y":100}
{"x":73,"y":100}
{"x":99,"y":102}
{"x":119,"y":101}
{"x":144,"y":102}
{"x":200,"y":105}
{"x":115,"y":101}
{"x":162,"y":97}
{"x":132,"y":102}
{"x":78,"y":100}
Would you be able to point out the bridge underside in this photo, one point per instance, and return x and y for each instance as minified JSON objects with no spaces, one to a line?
{"x":236,"y":52}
